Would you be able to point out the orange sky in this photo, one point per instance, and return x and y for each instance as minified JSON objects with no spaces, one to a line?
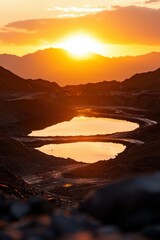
{"x":123,"y":27}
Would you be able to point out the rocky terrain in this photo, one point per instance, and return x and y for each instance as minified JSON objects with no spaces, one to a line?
{"x":20,"y":107}
{"x":15,"y":186}
{"x":23,"y":160}
{"x":26,"y":105}
{"x":128,"y":210}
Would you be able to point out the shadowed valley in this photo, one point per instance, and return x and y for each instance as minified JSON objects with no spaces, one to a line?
{"x":27,"y":105}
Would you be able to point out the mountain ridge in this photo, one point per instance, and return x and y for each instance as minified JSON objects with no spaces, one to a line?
{"x":59,"y":66}
{"x":11,"y":83}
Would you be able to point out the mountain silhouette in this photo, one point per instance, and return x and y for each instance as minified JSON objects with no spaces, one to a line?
{"x":143,"y":81}
{"x":13,"y":84}
{"x":57,"y":65}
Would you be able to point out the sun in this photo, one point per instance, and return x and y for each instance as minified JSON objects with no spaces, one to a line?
{"x":80,"y":45}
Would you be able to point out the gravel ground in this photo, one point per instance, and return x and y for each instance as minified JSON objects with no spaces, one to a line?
{"x":127,"y":210}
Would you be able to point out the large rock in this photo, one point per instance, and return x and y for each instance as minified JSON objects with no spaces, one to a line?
{"x":130,"y":204}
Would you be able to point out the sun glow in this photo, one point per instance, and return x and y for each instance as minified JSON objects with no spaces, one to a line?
{"x":81,"y":45}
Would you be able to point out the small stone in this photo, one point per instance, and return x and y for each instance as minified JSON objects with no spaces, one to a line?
{"x":152,"y":232}
{"x":45,"y":220}
{"x":3,"y":236}
{"x":78,"y":236}
{"x":72,"y":224}
{"x":19,"y":210}
{"x":39,"y":206}
{"x":14,"y":234}
{"x":34,"y":237}
{"x":3,"y":224}
{"x":108,"y":230}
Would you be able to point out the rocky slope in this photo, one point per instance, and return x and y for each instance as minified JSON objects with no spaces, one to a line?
{"x":22,"y":102}
{"x":140,"y":91}
{"x":143,"y":81}
{"x":22,"y":160}
{"x":25,"y":105}
{"x":15,"y":186}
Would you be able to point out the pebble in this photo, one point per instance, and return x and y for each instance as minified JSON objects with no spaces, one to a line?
{"x":152,"y":232}
{"x":19,"y":210}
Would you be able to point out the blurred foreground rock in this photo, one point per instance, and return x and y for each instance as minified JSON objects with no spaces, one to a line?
{"x":131,"y":204}
{"x":128,"y":210}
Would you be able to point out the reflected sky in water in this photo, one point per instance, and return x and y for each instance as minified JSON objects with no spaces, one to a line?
{"x":88,"y":152}
{"x":86,"y":126}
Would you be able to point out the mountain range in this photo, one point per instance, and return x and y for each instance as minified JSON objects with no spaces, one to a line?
{"x":57,"y":65}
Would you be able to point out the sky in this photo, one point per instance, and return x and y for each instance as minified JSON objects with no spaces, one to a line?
{"x":124,"y":27}
{"x":14,"y":10}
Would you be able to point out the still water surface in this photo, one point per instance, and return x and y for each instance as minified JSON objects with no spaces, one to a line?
{"x":85,"y":126}
{"x":88,"y":152}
